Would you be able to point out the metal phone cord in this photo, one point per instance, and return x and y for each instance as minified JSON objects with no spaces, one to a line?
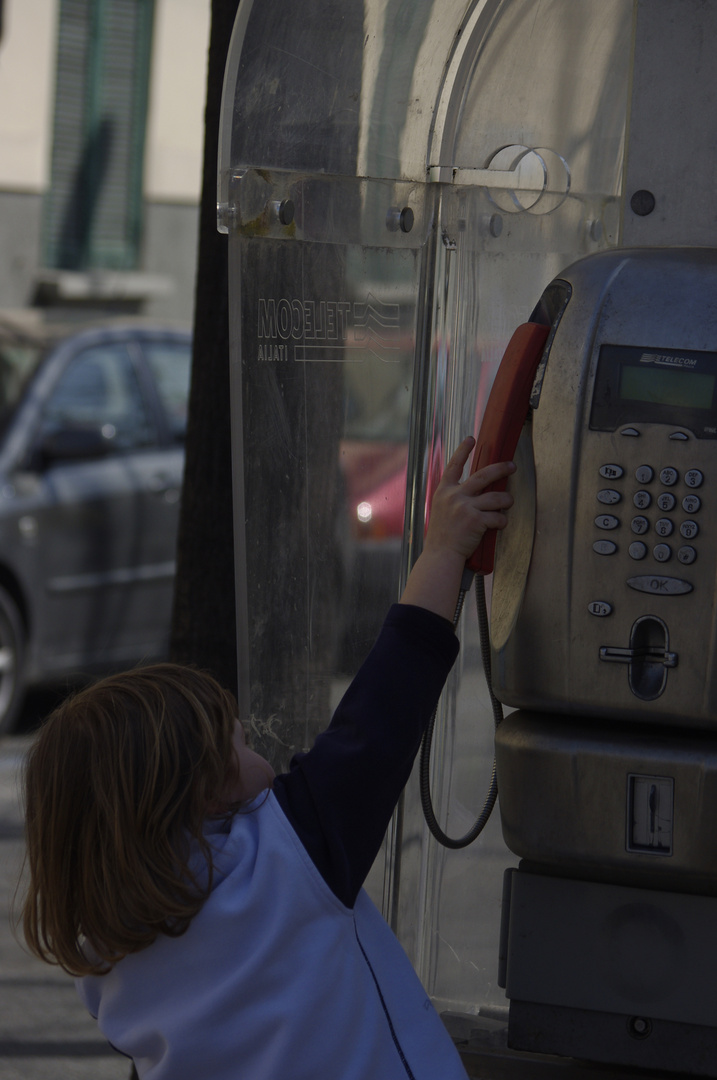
{"x":427,"y":741}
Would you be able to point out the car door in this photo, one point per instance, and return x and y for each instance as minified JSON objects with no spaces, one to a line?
{"x":107,"y":578}
{"x":164,"y":364}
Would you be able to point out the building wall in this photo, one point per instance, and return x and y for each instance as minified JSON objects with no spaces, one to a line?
{"x":20,"y":217}
{"x":173,"y":155}
{"x":175,"y":138}
{"x":27,"y":71}
{"x":170,"y":250}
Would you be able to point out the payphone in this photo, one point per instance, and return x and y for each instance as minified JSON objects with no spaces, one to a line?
{"x":603,"y":639}
{"x":622,"y":568}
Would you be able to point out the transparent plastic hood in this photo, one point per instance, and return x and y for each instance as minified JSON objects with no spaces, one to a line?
{"x":399,"y":179}
{"x":346,"y":88}
{"x":392,"y":89}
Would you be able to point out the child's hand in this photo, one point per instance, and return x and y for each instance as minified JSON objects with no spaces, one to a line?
{"x":462,"y":512}
{"x":460,"y":515}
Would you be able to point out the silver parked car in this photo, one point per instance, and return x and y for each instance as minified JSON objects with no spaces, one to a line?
{"x":92,"y":425}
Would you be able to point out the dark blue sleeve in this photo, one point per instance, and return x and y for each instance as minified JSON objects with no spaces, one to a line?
{"x":340,"y":796}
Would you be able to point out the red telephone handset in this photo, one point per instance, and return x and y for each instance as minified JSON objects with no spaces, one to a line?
{"x":504,"y":417}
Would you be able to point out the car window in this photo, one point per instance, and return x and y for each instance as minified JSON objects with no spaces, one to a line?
{"x":99,"y":389}
{"x":169,"y":362}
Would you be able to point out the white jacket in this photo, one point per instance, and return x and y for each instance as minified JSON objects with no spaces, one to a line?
{"x":289,"y":972}
{"x":275,"y":979}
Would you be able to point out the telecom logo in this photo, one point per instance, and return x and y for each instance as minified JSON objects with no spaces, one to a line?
{"x":327,"y":330}
{"x":665,"y":360}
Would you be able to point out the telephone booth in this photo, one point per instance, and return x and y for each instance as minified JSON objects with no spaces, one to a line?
{"x":400,"y":182}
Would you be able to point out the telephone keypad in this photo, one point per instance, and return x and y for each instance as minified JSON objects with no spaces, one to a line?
{"x":666,"y":501}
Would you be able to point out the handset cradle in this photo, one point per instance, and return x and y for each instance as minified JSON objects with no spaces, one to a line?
{"x":504,"y":417}
{"x":505,"y":414}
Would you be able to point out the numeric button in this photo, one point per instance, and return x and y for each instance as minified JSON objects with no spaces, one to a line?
{"x":644,"y":474}
{"x":689,"y":529}
{"x":691,"y":504}
{"x":663,"y":527}
{"x":662,"y":552}
{"x":642,"y":499}
{"x":639,"y":525}
{"x":669,"y":476}
{"x":693,"y":478}
{"x":667,"y":501}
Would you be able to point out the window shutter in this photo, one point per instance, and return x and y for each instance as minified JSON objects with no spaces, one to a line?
{"x":94,"y":205}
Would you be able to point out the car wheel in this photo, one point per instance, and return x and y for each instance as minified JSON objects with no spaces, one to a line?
{"x":12,"y":655}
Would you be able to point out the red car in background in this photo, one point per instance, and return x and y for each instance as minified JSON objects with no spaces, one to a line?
{"x":375,"y":481}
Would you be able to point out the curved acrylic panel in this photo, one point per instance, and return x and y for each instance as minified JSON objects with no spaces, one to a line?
{"x":399,"y":182}
{"x":344,"y":88}
{"x":552,"y":84}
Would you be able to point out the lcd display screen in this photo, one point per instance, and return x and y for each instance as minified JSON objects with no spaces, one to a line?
{"x":666,"y":386}
{"x":635,"y":385}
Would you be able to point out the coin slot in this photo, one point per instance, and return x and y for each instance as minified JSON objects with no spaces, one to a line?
{"x":647,"y":656}
{"x":649,"y":642}
{"x":650,"y":814}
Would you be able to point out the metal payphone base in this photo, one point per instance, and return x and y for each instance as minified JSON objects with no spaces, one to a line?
{"x":612,"y":1038}
{"x":485,"y":1054}
{"x":610,"y":973}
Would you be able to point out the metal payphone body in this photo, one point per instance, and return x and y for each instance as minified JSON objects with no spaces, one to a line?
{"x":621,"y":573}
{"x":603,"y":638}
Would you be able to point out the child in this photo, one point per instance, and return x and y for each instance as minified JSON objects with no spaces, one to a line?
{"x":213,"y":913}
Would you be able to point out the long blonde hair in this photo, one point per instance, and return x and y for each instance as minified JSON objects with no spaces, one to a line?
{"x":117,"y":784}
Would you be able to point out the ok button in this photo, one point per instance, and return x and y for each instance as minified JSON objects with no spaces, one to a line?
{"x":607,"y":521}
{"x":659,"y":586}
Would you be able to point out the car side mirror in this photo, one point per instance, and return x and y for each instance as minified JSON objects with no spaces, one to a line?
{"x":72,"y":444}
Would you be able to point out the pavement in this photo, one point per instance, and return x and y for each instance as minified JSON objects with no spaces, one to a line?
{"x":45,"y":1033}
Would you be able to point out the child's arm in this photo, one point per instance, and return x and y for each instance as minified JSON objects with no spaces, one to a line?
{"x":460,"y":515}
{"x":339,"y":797}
